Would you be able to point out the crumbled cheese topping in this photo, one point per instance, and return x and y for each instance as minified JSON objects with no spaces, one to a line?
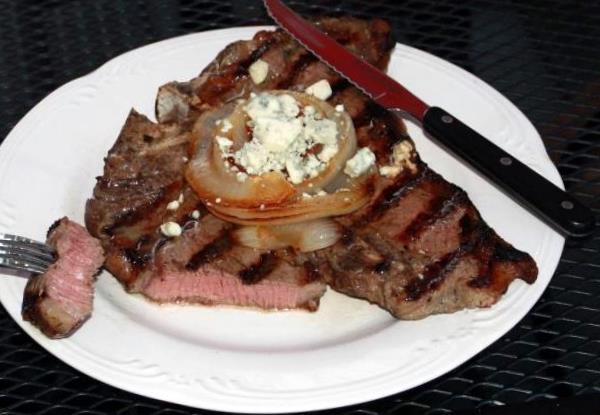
{"x":320,"y":89}
{"x":269,"y":105}
{"x":360,"y":162}
{"x":390,"y":171}
{"x":258,"y":71}
{"x":402,"y":152}
{"x":401,"y":155}
{"x":323,"y":132}
{"x":276,"y":134}
{"x":328,"y":152}
{"x":224,"y":144}
{"x":339,"y":108}
{"x":180,"y":198}
{"x":170,"y":229}
{"x":173,"y":205}
{"x":282,"y":138}
{"x":294,"y":170}
{"x":195,"y":214}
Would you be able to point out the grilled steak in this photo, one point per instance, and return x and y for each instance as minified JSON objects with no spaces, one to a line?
{"x":143,"y":173}
{"x":60,"y":300}
{"x":290,"y":67}
{"x":421,"y":248}
{"x":204,"y":266}
{"x":418,"y":248}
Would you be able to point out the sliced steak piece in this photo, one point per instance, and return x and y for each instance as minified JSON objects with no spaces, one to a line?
{"x":242,"y":276}
{"x":59,"y":301}
{"x":204,"y":266}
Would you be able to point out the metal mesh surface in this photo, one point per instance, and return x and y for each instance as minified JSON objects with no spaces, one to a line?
{"x":543,"y":55}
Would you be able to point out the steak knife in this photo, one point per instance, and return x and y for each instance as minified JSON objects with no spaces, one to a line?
{"x":547,"y":201}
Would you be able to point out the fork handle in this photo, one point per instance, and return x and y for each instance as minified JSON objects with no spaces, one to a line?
{"x":547,"y":201}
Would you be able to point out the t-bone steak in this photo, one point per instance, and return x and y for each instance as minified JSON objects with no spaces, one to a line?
{"x":418,"y":248}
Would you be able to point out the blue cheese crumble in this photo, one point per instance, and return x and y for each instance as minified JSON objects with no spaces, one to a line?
{"x":362,"y":161}
{"x":170,"y":229}
{"x":284,"y":136}
{"x":320,"y":89}
{"x":258,"y":71}
{"x":401,"y":158}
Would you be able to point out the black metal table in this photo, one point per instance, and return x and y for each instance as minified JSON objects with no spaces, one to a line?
{"x":543,"y":55}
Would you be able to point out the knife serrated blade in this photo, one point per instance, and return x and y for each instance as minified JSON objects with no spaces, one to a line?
{"x":381,"y":88}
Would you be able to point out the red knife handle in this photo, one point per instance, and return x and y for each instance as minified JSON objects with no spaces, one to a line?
{"x":541,"y":197}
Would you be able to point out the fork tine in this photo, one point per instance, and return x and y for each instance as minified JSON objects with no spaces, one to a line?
{"x":26,"y":249}
{"x":25,"y":256}
{"x":18,"y":238}
{"x":20,"y":242}
{"x":19,"y":265}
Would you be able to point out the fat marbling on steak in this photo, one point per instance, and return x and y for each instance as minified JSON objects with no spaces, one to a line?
{"x":60,"y":300}
{"x":418,"y":248}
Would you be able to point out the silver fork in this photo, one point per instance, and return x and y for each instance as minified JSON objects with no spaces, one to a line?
{"x":23,"y":254}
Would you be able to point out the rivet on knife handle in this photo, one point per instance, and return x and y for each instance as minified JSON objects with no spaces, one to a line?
{"x":553,"y":205}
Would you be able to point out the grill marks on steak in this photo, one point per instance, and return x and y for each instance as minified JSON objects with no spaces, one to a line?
{"x":418,"y":248}
{"x":421,"y":248}
{"x":411,"y":213}
{"x":290,"y":66}
{"x":204,"y":266}
{"x":143,"y":173}
{"x":60,"y":300}
{"x":210,"y":252}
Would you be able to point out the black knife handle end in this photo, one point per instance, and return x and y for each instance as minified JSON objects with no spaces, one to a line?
{"x":553,"y":205}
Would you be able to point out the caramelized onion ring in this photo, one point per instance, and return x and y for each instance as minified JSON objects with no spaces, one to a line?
{"x":301,"y":208}
{"x":270,"y":198}
{"x":207,"y":175}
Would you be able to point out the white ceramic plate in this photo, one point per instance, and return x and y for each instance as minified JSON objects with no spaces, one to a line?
{"x":232,"y":359}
